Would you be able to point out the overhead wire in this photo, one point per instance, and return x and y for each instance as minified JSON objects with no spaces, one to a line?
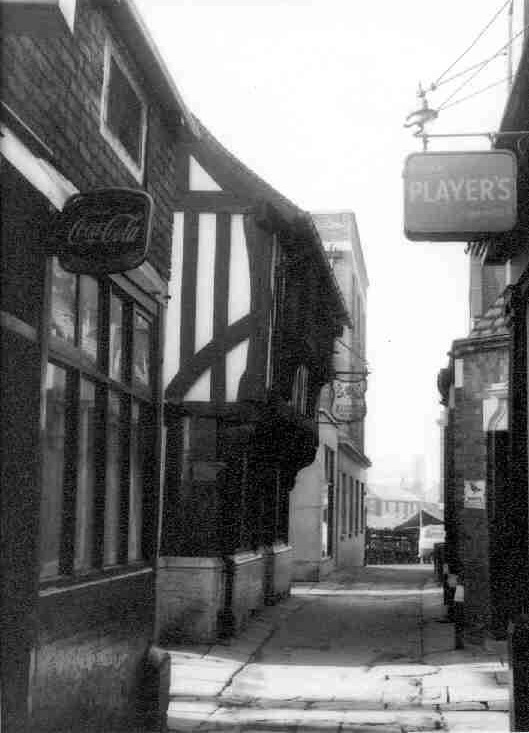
{"x":479,"y":91}
{"x":470,"y":68}
{"x":482,"y":65}
{"x":435,"y":84}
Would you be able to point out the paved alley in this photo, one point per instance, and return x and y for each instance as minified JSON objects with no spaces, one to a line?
{"x":362,"y":651}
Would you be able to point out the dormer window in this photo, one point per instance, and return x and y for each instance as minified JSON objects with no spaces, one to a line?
{"x":123,"y":113}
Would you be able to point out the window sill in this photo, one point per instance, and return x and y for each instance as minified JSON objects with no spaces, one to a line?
{"x":69,"y":584}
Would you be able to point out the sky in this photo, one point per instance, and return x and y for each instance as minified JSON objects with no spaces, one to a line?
{"x":313,"y":95}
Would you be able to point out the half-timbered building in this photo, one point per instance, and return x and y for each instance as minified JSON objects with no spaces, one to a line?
{"x":253,"y":314}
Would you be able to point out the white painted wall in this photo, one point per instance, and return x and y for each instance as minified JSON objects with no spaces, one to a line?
{"x":207,"y":228}
{"x":201,"y":389}
{"x":239,"y":277}
{"x":199,"y":179}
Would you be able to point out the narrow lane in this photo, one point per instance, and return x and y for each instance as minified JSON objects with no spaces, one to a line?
{"x":344,"y":630}
{"x":362,"y":651}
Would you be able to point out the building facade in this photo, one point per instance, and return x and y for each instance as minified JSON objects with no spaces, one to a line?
{"x":86,"y":105}
{"x":389,"y":506}
{"x":251,"y":340}
{"x":476,"y":436}
{"x":510,"y":251}
{"x":328,"y":508}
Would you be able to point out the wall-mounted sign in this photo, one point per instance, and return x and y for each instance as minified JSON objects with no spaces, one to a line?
{"x":474,"y":494}
{"x":348,"y":402}
{"x":104,"y":231}
{"x":459,"y":196}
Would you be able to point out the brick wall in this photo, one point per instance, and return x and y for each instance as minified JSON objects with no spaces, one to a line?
{"x":54,"y":85}
{"x":481,"y":368}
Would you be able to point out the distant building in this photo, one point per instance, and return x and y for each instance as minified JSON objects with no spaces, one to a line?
{"x":327,"y":525}
{"x":389,"y":506}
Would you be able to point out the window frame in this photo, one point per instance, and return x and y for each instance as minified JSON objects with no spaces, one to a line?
{"x":351,"y":506}
{"x":343,"y":505}
{"x":69,"y":357}
{"x":111,"y":53}
{"x":357,"y":507}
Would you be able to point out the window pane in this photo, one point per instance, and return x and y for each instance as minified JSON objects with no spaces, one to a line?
{"x":357,"y":505}
{"x":351,"y":505}
{"x":89,"y":316}
{"x":142,"y":350}
{"x":53,"y":471}
{"x":124,"y":112}
{"x":84,"y":504}
{"x":113,"y":481}
{"x":343,"y":495}
{"x":137,"y":452}
{"x":115,"y":356}
{"x":63,"y":303}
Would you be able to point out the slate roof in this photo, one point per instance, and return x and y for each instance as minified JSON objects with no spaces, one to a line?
{"x":391,"y":493}
{"x":492,"y":323}
{"x":429,"y":516}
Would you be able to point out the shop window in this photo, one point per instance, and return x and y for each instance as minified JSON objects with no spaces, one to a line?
{"x":99,"y":427}
{"x":88,"y":317}
{"x":53,"y":470}
{"x":115,"y":356}
{"x":123,"y":113}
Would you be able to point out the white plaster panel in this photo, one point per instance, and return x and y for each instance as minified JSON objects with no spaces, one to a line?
{"x":236,"y":361}
{"x":458,"y":373}
{"x":174,"y":307}
{"x":199,"y":179}
{"x":201,"y":389}
{"x":239,"y":282}
{"x":207,"y":226}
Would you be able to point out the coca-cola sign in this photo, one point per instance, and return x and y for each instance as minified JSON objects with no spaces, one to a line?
{"x":104,"y":231}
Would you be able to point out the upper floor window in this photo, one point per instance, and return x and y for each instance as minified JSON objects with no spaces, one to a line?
{"x":300,"y":391}
{"x":123,"y":113}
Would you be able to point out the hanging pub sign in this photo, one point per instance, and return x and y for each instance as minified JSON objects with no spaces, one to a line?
{"x":348,"y":402}
{"x":105,"y":231}
{"x":459,"y":196}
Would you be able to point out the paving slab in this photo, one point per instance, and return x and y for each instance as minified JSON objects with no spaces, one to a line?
{"x":465,"y":722}
{"x":218,"y":670}
{"x":478,"y":694}
{"x":280,"y":682}
{"x":188,"y":715}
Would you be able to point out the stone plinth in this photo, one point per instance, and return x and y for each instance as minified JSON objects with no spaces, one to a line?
{"x":278,"y":562}
{"x":190,"y":597}
{"x":247,"y":586}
